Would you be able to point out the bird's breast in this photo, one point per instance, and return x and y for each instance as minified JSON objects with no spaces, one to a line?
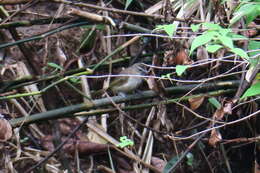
{"x":131,"y":84}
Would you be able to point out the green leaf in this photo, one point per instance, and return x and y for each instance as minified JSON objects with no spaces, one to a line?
{"x":168,"y":167}
{"x":74,"y":80}
{"x":227,"y":41}
{"x":236,"y":36}
{"x":190,"y":159}
{"x":125,"y":142}
{"x":195,"y":28}
{"x":253,"y":45}
{"x":215,"y":102}
{"x":213,"y":48}
{"x":201,"y":40}
{"x":252,"y":91}
{"x":128,"y":2}
{"x":211,"y":26}
{"x":224,"y":32}
{"x":166,"y":76}
{"x":248,"y":10}
{"x":169,"y":29}
{"x":240,"y":52}
{"x":53,"y":65}
{"x":252,"y":14}
{"x":180,"y":69}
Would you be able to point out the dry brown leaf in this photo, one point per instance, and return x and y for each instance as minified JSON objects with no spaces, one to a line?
{"x":202,"y":53}
{"x":180,"y":58}
{"x":196,"y":102}
{"x":84,"y":147}
{"x":251,"y":32}
{"x":215,"y":137}
{"x":122,"y":163}
{"x":46,"y":142}
{"x":228,"y":108}
{"x":156,"y":86}
{"x":6,"y":130}
{"x":60,"y":53}
{"x":95,"y":137}
{"x":219,"y":114}
{"x":152,"y":84}
{"x":158,"y":163}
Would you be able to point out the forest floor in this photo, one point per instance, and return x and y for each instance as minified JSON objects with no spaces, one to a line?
{"x":128,"y":86}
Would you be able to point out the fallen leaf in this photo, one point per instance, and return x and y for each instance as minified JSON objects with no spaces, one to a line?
{"x":158,"y":163}
{"x":179,"y":58}
{"x":195,"y":102}
{"x":6,"y":130}
{"x":215,"y":137}
{"x":156,"y":85}
{"x":46,"y":143}
{"x":219,"y":114}
{"x":182,"y":58}
{"x":228,"y":108}
{"x":202,"y":53}
{"x":84,"y":147}
{"x":251,"y":32}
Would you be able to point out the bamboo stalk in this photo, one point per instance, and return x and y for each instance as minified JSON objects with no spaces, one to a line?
{"x":67,"y":111}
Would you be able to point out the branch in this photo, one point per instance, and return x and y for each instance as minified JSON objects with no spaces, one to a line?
{"x":67,"y":111}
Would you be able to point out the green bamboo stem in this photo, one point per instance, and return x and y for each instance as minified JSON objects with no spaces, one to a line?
{"x":26,"y":23}
{"x":46,"y":88}
{"x":69,"y":110}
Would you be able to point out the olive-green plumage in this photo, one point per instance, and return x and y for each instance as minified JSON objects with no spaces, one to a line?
{"x":126,"y":84}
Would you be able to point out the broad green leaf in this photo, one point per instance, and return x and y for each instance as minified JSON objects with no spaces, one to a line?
{"x":257,"y":76}
{"x":244,"y":10}
{"x":168,"y":167}
{"x":252,"y":91}
{"x":211,"y":26}
{"x":240,"y":52}
{"x":213,"y":48}
{"x":128,"y":2}
{"x":236,"y":36}
{"x":169,"y":29}
{"x":53,"y":65}
{"x":227,"y":41}
{"x":215,"y":102}
{"x":201,"y":40}
{"x":195,"y":28}
{"x":253,"y":14}
{"x":253,"y":45}
{"x":180,"y":69}
{"x":224,"y":32}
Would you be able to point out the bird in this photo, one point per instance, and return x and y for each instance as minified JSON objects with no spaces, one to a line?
{"x":123,"y":85}
{"x":127,"y":84}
